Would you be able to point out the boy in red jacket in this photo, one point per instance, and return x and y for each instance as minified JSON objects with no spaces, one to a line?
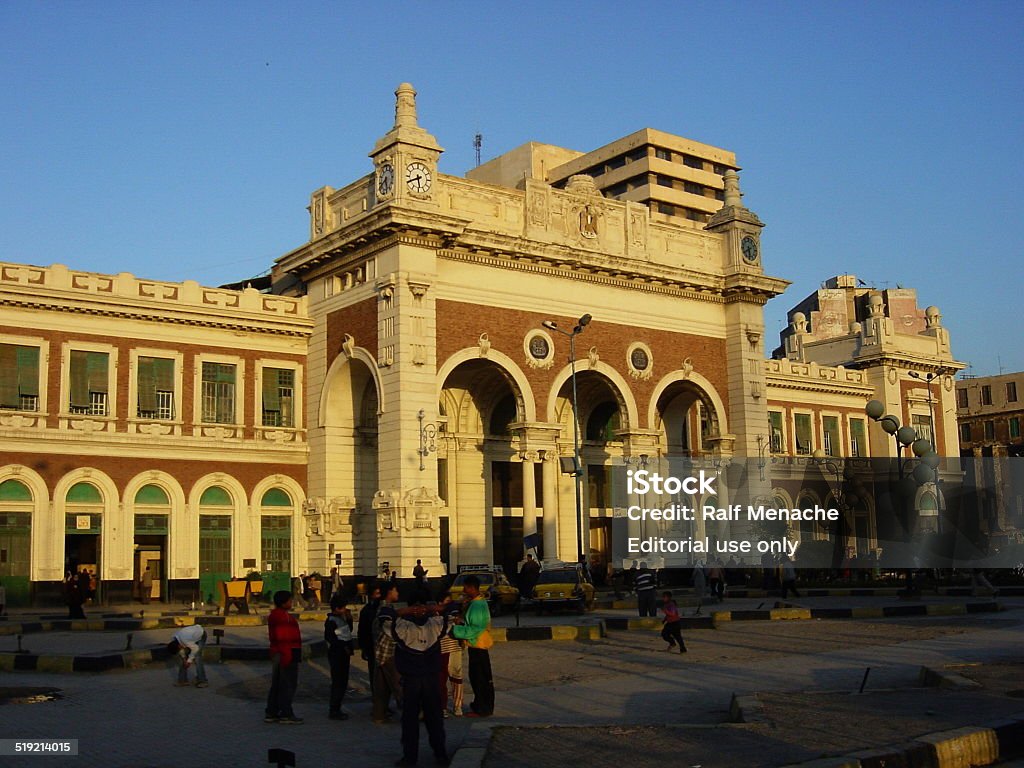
{"x":285,"y":653}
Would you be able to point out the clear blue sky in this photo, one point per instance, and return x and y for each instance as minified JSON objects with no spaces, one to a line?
{"x":181,"y":140}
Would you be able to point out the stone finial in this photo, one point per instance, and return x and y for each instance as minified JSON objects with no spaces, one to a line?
{"x":932,"y":317}
{"x":405,"y":106}
{"x":876,"y":305}
{"x":798,"y":322}
{"x":732,"y":189}
{"x":582,"y":184}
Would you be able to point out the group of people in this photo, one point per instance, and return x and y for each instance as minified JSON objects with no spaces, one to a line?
{"x":414,"y":658}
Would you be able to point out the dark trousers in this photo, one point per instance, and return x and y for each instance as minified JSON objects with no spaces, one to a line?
{"x":420,"y":693}
{"x":340,"y":662}
{"x":645,"y":602}
{"x":385,"y":684}
{"x":482,"y":682}
{"x":672,"y":633}
{"x":283,"y":682}
{"x":787,"y":586}
{"x":718,"y":589}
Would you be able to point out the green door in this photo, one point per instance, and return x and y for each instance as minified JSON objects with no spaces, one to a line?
{"x":214,"y":556}
{"x":15,"y":546}
{"x":276,"y":552}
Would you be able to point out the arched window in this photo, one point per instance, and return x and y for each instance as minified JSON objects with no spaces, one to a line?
{"x":603,"y":422}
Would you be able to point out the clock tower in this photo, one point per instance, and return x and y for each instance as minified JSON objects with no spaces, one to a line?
{"x":405,"y":158}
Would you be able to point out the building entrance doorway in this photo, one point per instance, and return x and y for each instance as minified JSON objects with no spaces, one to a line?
{"x":150,"y":552}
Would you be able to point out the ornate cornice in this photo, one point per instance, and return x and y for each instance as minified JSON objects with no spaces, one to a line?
{"x":583,"y":273}
{"x":242,"y":323}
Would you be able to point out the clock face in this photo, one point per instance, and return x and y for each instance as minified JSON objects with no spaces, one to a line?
{"x":385,"y":179}
{"x":749,"y":246}
{"x":417,"y":178}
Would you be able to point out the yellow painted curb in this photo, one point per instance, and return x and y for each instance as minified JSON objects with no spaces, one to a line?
{"x":868,"y":613}
{"x":644,"y":623}
{"x":149,"y":624}
{"x":61,"y":664}
{"x":243,"y":621}
{"x":10,"y":629}
{"x":184,"y":621}
{"x":6,"y":662}
{"x":717,"y":616}
{"x":563,"y":633}
{"x":499,"y":634}
{"x":790,"y":613}
{"x":958,"y":609}
{"x":590,"y":633}
{"x":964,"y":747}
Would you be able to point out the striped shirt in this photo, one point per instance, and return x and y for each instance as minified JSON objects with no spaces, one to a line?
{"x":644,"y":582}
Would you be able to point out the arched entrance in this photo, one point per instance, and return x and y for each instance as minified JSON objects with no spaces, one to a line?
{"x":603,"y":417}
{"x":481,"y":476}
{"x":343,"y":477}
{"x":16,"y":506}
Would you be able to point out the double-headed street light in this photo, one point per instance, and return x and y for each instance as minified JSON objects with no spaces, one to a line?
{"x":577,"y":468}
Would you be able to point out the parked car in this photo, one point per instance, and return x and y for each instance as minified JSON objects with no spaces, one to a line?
{"x":563,"y":587}
{"x":494,"y":586}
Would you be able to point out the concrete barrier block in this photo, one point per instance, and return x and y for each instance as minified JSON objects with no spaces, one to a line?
{"x":59,"y":664}
{"x":964,"y":747}
{"x":790,"y":613}
{"x":563,"y":633}
{"x":499,"y":634}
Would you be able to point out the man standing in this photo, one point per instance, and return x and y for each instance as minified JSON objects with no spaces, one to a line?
{"x":385,"y":674}
{"x":645,"y":586}
{"x":788,"y":577}
{"x":338,"y":634}
{"x":417,"y":636}
{"x":528,"y":575}
{"x":367,"y":617}
{"x":475,"y":629}
{"x":188,"y":644}
{"x":285,"y":653}
{"x":146,"y":585}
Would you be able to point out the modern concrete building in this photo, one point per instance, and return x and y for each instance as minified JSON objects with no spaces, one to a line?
{"x":403,"y":388}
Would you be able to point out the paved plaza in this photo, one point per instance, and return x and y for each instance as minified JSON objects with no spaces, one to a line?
{"x":618,"y":700}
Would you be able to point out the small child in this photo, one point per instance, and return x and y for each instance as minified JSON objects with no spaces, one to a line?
{"x":671,"y":632}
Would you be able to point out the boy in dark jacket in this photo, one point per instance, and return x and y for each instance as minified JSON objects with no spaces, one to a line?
{"x":338,"y":634}
{"x":285,"y":653}
{"x":417,"y":633}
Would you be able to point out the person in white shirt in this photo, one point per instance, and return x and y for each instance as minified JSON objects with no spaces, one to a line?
{"x":188,"y":644}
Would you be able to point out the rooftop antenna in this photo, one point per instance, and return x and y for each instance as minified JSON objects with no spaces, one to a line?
{"x":478,"y":142}
{"x":999,"y":362}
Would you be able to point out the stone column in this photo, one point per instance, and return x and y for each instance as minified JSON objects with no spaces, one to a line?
{"x":529,"y":493}
{"x":550,"y":476}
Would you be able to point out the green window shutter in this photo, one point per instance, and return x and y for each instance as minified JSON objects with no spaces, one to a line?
{"x":28,"y":371}
{"x":96,"y":366}
{"x":147,"y":384}
{"x":163,"y":372}
{"x":271,"y":389}
{"x":79,"y":379}
{"x":9,"y":376}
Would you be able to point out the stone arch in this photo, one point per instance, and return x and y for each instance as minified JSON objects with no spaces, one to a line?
{"x":508,"y":367}
{"x":337,"y":384}
{"x":705,"y":391}
{"x":619,"y":386}
{"x":299,"y":542}
{"x":241,"y":522}
{"x":176,"y":516}
{"x":40,"y":567}
{"x":115,"y":526}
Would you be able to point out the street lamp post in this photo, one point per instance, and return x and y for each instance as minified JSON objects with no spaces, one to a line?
{"x":577,"y":472}
{"x":923,"y":451}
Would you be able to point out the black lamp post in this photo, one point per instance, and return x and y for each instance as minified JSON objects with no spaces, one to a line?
{"x":577,"y":469}
{"x":843,"y":499}
{"x":925,"y":471}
